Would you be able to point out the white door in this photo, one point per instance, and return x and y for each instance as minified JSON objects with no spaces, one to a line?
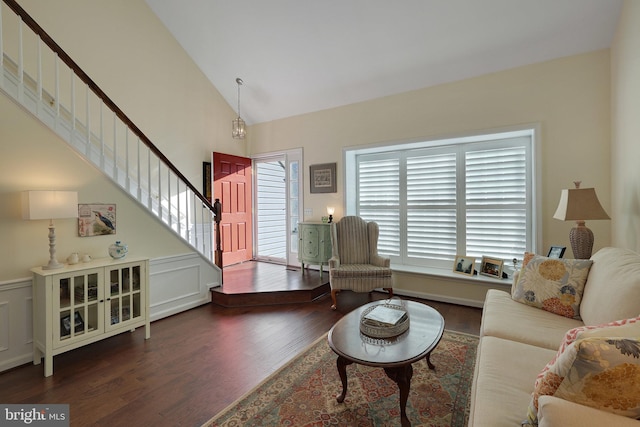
{"x":277,"y":207}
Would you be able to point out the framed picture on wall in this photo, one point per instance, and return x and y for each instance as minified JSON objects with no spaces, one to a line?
{"x":96,"y":219}
{"x":206,"y":180}
{"x":323,"y":178}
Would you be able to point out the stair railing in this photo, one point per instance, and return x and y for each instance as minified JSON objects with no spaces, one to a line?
{"x":39,"y":75}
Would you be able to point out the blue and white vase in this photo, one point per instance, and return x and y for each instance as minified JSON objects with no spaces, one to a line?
{"x":118,"y":250}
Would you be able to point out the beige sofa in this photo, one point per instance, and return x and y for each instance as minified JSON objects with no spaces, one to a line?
{"x":518,"y":340}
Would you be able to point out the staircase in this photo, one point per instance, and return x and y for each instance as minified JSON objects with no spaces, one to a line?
{"x":52,"y":87}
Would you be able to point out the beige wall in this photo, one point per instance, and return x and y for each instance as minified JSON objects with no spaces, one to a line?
{"x":625,"y":111}
{"x":123,"y":47}
{"x":34,"y":158}
{"x":568,"y":97}
{"x":126,"y":50}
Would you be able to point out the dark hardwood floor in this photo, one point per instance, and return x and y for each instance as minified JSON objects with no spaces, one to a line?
{"x":195,"y":364}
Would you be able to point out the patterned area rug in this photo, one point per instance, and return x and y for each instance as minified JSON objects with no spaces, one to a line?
{"x":303,"y":392}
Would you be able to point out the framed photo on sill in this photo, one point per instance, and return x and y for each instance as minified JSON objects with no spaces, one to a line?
{"x":491,"y":267}
{"x":464,"y":265}
{"x":556,"y":251}
{"x":323,"y":178}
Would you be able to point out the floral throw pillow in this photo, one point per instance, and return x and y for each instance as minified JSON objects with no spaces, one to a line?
{"x":600,"y":372}
{"x":552,"y":284}
{"x":619,"y":328}
{"x":528,"y":256}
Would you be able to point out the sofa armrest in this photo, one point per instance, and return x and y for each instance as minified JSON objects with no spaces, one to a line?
{"x":553,"y":412}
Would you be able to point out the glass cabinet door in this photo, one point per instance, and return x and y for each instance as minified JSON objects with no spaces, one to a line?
{"x":125,"y":299}
{"x":78,"y":305}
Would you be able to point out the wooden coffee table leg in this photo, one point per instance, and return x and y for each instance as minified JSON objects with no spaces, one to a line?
{"x":342,"y":370}
{"x":429,"y":364}
{"x":402,"y":376}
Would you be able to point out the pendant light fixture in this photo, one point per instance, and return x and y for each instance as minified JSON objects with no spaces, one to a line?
{"x":239,"y":129}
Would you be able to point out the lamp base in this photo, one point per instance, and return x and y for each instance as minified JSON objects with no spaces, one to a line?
{"x":581,"y":239}
{"x":53,"y":262}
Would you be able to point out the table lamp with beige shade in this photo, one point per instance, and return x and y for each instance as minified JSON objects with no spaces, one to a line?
{"x":50,"y":205}
{"x":580,"y":204}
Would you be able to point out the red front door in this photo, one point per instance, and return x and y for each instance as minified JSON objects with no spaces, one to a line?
{"x":232,"y":185}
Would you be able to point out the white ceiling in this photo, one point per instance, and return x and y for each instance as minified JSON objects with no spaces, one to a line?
{"x":299,"y":56}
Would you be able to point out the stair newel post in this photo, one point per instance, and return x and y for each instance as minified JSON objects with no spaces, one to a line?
{"x":217,"y":209}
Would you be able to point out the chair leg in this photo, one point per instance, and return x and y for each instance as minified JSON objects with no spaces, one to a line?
{"x":334,"y":292}
{"x":390,"y":290}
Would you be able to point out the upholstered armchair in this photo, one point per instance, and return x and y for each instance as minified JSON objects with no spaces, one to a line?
{"x":355,"y":264}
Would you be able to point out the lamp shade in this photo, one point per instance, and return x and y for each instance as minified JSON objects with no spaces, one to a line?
{"x":579,"y":204}
{"x":49,"y":204}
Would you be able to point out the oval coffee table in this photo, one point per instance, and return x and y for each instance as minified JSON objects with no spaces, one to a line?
{"x":395,"y":355}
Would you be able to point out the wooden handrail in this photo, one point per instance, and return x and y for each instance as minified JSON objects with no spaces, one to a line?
{"x":215,"y":208}
{"x":31,"y":23}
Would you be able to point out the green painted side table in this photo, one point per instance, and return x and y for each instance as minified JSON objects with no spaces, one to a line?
{"x":315,"y":244}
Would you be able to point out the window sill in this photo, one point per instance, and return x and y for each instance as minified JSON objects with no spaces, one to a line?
{"x":477,"y":279}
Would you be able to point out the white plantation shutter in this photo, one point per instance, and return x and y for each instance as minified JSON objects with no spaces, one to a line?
{"x":431,"y":206}
{"x":496,"y":201}
{"x":469,"y":198}
{"x":379,"y":199}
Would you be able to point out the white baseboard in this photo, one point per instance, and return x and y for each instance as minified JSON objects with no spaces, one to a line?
{"x":440,"y":298}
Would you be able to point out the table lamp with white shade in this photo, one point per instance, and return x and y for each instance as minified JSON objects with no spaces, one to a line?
{"x":580,"y":204}
{"x":330,"y":211}
{"x":50,"y":205}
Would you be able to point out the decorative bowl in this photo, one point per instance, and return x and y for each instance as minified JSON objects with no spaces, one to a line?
{"x":118,"y":250}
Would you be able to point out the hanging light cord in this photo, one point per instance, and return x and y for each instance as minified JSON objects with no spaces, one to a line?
{"x":239,"y":81}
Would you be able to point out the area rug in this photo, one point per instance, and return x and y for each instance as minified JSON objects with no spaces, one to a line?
{"x":303,"y":392}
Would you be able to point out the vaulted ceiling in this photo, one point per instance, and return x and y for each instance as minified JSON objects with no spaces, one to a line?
{"x":300,"y":56}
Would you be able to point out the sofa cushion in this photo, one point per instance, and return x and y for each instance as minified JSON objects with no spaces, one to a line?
{"x":599,"y":372}
{"x":505,"y":318}
{"x":618,"y":328}
{"x":502,"y":386}
{"x":361,"y":270}
{"x":554,"y":412}
{"x":554,"y":285}
{"x":612,"y":289}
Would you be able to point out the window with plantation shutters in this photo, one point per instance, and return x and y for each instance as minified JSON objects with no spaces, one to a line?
{"x":470,"y":196}
{"x":379,"y":198}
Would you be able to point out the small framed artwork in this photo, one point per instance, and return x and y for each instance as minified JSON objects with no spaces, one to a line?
{"x":556,"y":251}
{"x":323,"y":178}
{"x":96,"y":219}
{"x":491,"y":267}
{"x":206,"y":180}
{"x":464,"y":265}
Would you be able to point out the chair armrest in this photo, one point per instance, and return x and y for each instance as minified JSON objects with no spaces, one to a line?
{"x":334,"y":262}
{"x":380,"y":261}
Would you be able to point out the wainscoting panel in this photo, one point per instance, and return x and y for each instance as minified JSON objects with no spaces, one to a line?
{"x":16,"y":323}
{"x":180,"y":283}
{"x":176,"y":284}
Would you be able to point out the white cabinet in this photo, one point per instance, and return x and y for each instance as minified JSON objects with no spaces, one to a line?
{"x":83,"y":303}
